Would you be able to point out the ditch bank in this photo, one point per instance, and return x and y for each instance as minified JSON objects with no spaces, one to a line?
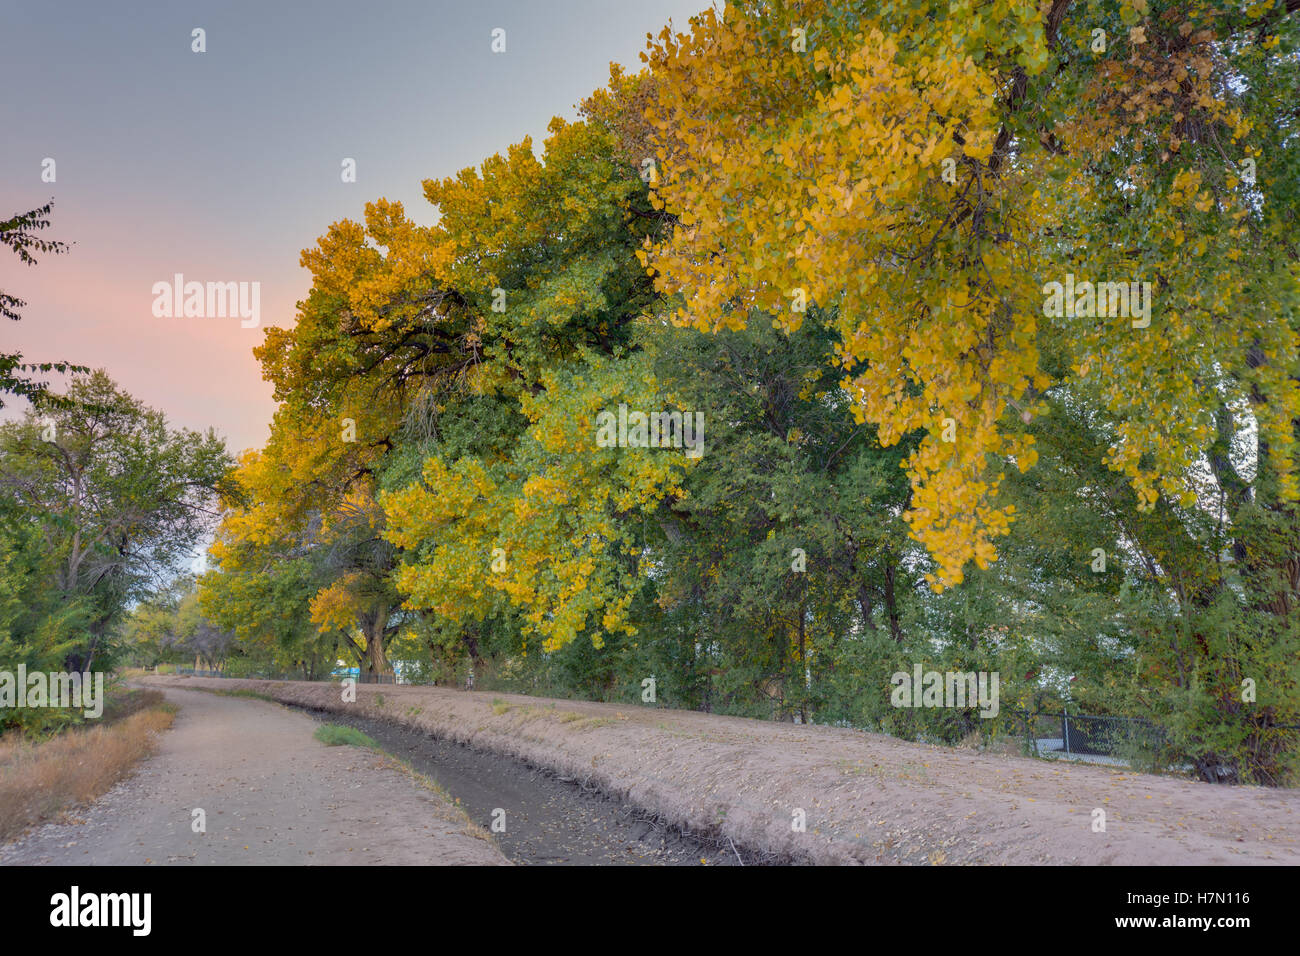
{"x":828,"y":795}
{"x":549,"y":819}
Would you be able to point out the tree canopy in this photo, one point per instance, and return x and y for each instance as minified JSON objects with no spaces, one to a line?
{"x":989,"y":316}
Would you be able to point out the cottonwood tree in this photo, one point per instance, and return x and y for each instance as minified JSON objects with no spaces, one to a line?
{"x":113,"y":499}
{"x":822,"y":174}
{"x":543,"y":519}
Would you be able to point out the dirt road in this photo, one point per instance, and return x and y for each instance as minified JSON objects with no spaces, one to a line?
{"x":270,"y":793}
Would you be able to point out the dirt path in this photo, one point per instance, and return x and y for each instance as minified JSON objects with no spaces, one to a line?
{"x":271,"y":795}
{"x":831,"y":795}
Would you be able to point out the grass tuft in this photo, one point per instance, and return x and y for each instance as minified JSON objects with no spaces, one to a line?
{"x":334,"y":735}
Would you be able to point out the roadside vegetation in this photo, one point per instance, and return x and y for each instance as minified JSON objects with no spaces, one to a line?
{"x":45,"y":776}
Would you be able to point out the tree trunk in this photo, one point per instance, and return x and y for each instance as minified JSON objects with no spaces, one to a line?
{"x":376,"y":659}
{"x":891,"y":602}
{"x":868,"y":611}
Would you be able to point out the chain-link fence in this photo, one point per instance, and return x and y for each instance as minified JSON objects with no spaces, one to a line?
{"x":1109,"y":736}
{"x":1091,"y":735}
{"x":1111,"y":739}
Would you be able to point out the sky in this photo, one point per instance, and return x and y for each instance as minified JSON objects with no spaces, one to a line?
{"x":223,"y":165}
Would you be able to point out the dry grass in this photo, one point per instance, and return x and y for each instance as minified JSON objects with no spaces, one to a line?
{"x":39,"y":780}
{"x":122,"y":702}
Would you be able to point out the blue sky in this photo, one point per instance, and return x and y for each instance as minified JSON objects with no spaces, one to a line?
{"x":223,"y":165}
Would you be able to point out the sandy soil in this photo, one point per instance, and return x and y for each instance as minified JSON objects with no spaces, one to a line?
{"x":272,"y":795}
{"x":866,"y":798}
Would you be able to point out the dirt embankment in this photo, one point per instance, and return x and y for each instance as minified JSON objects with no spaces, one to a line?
{"x":863,"y":798}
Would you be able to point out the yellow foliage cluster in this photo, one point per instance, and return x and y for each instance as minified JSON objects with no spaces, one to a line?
{"x":879,"y":174}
